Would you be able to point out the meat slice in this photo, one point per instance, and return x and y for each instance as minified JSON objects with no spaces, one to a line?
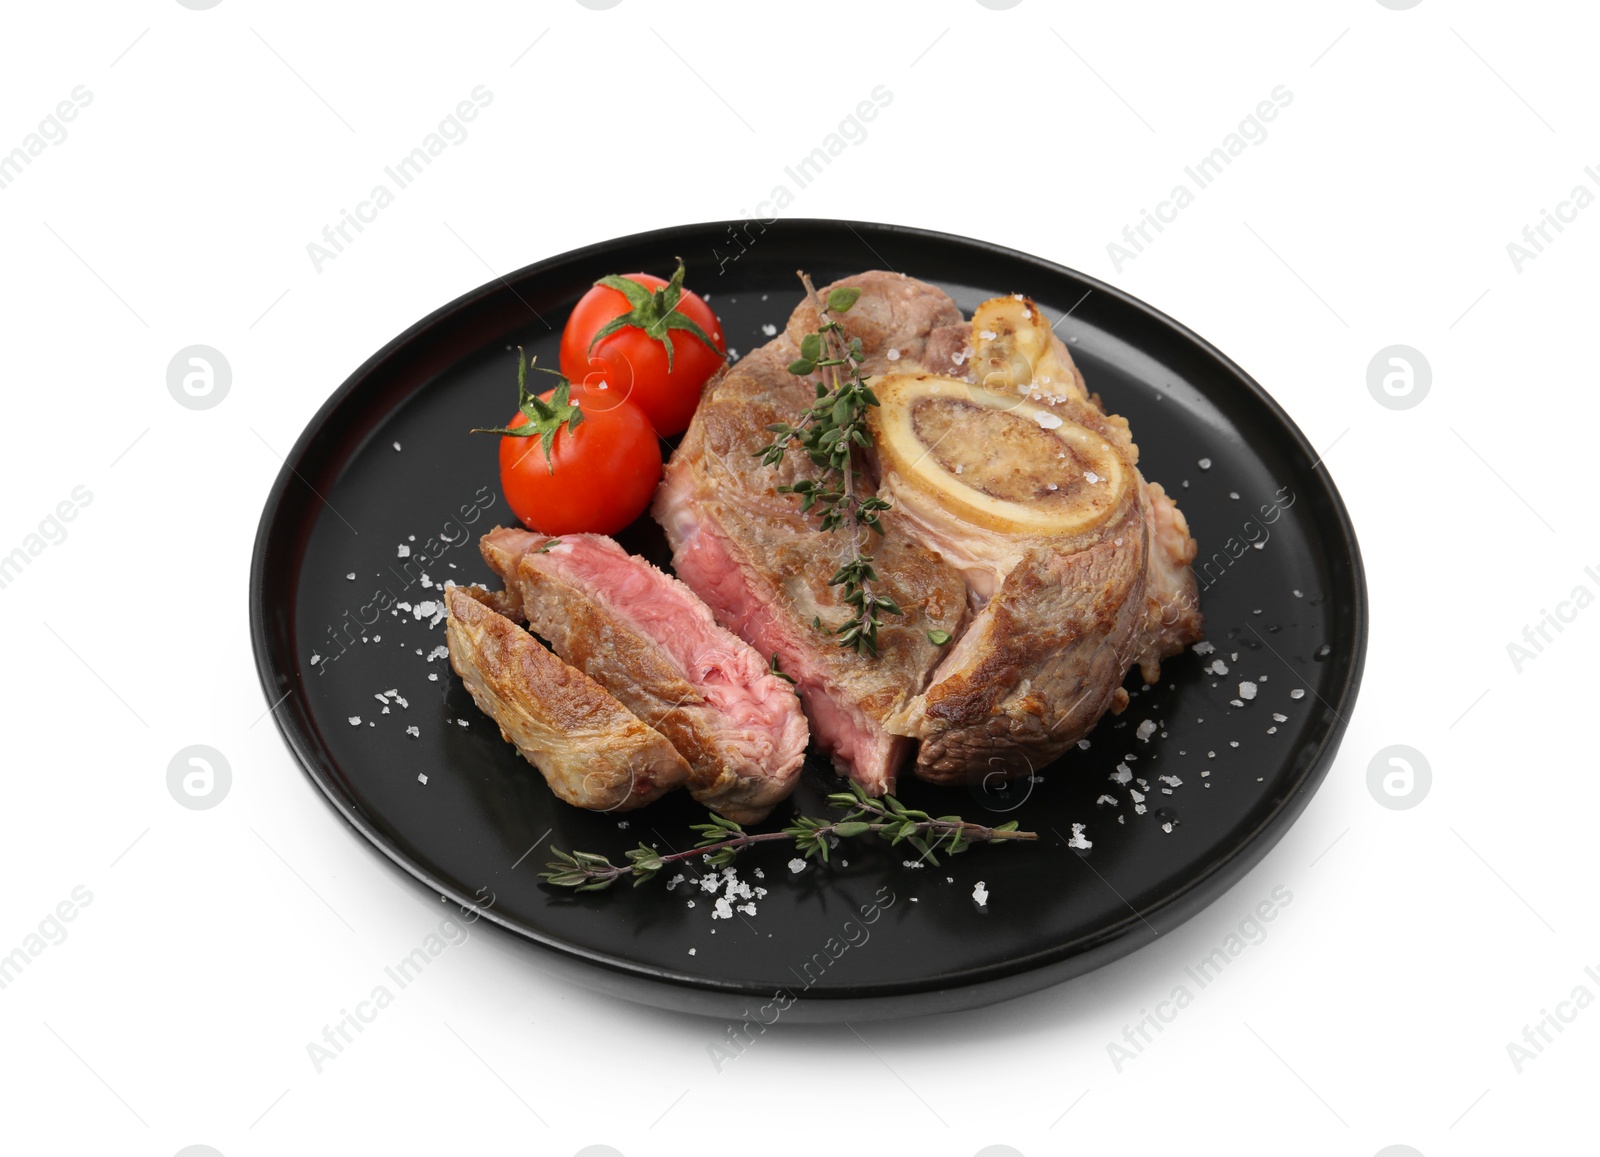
{"x":646,"y":638}
{"x":1076,"y":565}
{"x":763,"y":567}
{"x":592,"y":750}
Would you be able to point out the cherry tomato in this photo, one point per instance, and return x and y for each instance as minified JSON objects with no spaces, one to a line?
{"x":645,"y":315}
{"x":600,"y":475}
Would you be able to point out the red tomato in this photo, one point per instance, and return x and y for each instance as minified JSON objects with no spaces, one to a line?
{"x":599,"y":478}
{"x":632,"y":361}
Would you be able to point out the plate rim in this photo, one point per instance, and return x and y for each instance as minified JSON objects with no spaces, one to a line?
{"x":1052,"y":965}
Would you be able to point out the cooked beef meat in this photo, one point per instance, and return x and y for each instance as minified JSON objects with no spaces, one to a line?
{"x":1020,"y":523}
{"x":646,"y":638}
{"x":592,"y":750}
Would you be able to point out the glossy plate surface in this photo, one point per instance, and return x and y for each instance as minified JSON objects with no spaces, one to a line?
{"x":385,"y":494}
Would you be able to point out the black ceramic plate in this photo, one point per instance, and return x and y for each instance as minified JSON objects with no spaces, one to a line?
{"x":387,"y":486}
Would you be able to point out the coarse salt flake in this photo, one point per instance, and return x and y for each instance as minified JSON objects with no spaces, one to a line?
{"x":355,"y":721}
{"x":797,"y":865}
{"x":980,"y":894}
{"x":1297,"y":693}
{"x":1145,"y":730}
{"x":1047,"y":420}
{"x":1078,"y":840}
{"x":1247,"y":690}
{"x":403,"y":551}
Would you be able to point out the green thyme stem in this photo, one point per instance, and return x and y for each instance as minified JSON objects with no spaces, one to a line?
{"x":830,"y":431}
{"x":721,"y":840}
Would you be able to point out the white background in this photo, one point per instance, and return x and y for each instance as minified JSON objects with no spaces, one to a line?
{"x":1378,"y":210}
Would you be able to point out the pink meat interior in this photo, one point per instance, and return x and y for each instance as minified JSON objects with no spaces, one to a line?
{"x":760,"y":710}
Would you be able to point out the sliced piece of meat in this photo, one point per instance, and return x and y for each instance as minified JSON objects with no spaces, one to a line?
{"x":764,"y":568}
{"x":646,"y":638}
{"x":592,"y":750}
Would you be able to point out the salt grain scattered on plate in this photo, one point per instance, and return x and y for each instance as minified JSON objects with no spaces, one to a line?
{"x":1145,"y":730}
{"x":980,"y":894}
{"x":911,"y":863}
{"x":1078,"y":840}
{"x":691,"y":951}
{"x":1203,"y":648}
{"x":797,"y":865}
{"x":403,"y":551}
{"x":351,"y":576}
{"x":1277,"y":718}
{"x":421,"y":778}
{"x":1297,"y":693}
{"x":1107,"y":801}
{"x":355,"y":721}
{"x":1205,"y":463}
{"x":397,"y":445}
{"x":769,"y":329}
{"x":414,"y":732}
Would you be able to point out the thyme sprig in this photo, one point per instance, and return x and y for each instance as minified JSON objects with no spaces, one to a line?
{"x":721,"y":840}
{"x":830,"y":431}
